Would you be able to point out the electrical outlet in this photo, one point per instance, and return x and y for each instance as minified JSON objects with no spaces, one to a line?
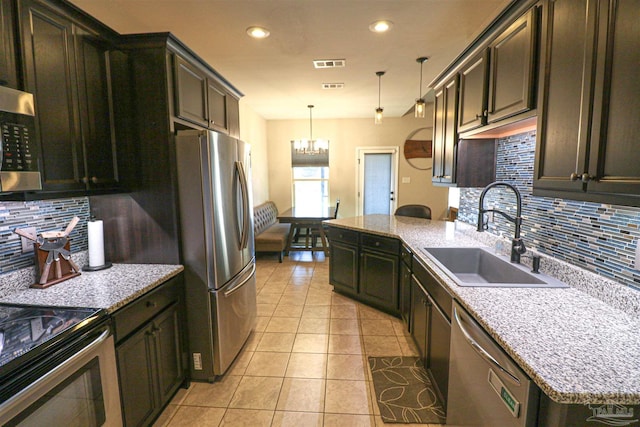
{"x":406,"y":180}
{"x":27,"y":245}
{"x":197,"y":361}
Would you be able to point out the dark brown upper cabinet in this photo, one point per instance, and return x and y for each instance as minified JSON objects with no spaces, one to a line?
{"x":445,"y":132}
{"x":66,"y":67}
{"x":456,"y":162}
{"x":512,"y":76}
{"x":8,"y":70}
{"x":473,"y":93}
{"x":202,"y":99}
{"x":233,"y":116}
{"x":588,"y":125}
{"x":217,"y":106}
{"x":500,"y":81}
{"x":191,"y":92}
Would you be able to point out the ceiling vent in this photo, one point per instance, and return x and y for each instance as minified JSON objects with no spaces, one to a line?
{"x":329,"y":63}
{"x":332,"y":85}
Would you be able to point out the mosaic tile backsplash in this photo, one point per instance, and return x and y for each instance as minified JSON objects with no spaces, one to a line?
{"x":44,"y":215}
{"x":599,"y":237}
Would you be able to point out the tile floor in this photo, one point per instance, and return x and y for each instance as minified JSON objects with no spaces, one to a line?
{"x":306,"y":362}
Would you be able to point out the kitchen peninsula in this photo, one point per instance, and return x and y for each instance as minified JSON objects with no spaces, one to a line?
{"x":578,"y":345}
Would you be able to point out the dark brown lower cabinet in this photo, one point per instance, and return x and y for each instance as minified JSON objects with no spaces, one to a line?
{"x":343,"y":262}
{"x":149,"y":351}
{"x":379,"y":278}
{"x":366,"y":267}
{"x":405,"y":293}
{"x":431,"y":326}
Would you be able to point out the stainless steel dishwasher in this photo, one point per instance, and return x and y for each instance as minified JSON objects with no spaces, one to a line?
{"x":486,"y":387}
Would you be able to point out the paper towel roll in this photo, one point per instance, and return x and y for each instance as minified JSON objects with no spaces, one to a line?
{"x":96,"y":243}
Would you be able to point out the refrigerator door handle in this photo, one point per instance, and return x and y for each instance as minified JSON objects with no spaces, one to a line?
{"x":245,"y":204}
{"x":241,"y":283}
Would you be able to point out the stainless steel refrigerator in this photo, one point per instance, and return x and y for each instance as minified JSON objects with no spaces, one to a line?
{"x":217,"y":247}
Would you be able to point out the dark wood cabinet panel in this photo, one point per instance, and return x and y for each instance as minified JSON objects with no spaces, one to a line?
{"x":169,"y":349}
{"x":588,"y":120}
{"x":439,"y":348}
{"x":8,"y":69}
{"x":614,"y":157}
{"x":67,"y":68}
{"x":419,"y":319}
{"x":50,"y":73}
{"x":476,"y":162}
{"x":96,"y":109}
{"x":343,"y":267}
{"x":563,"y":125}
{"x":438,"y":135}
{"x":473,"y":93}
{"x":405,"y":294}
{"x":233,"y":116}
{"x":379,"y":273}
{"x":431,"y":326}
{"x":136,"y":369}
{"x":217,"y":106}
{"x":150,"y":364}
{"x":463,"y":163}
{"x":450,"y":142}
{"x":201,"y":99}
{"x":513,"y":69}
{"x":191,"y":93}
{"x":445,"y":134}
{"x":366,"y":266}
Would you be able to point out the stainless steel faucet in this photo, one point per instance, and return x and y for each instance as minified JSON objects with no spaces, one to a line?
{"x":517,"y":245}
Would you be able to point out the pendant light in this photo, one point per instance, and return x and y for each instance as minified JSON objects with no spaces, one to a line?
{"x":420,"y":106}
{"x":310,"y":146}
{"x":378,"y":116}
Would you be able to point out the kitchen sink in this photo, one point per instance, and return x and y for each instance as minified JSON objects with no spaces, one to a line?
{"x":475,"y":267}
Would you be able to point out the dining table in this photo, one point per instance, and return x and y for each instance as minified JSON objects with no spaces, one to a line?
{"x":309,"y":219}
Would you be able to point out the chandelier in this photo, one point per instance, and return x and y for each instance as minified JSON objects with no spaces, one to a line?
{"x":310,"y":146}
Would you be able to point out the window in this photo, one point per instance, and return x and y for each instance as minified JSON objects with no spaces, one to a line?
{"x":310,"y":170}
{"x":310,"y":186}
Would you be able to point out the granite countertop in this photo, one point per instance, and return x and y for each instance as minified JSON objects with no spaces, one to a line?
{"x":107,"y":289}
{"x":580,"y":344}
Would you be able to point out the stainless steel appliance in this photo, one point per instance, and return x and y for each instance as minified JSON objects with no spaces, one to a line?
{"x":19,"y":169}
{"x":57,"y":368}
{"x":217,"y":247}
{"x":486,"y":387}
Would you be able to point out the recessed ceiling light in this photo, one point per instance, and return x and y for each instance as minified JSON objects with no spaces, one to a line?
{"x":380,"y":26}
{"x":258,"y":32}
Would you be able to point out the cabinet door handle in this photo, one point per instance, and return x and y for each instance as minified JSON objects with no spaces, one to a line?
{"x":585,"y":177}
{"x":94,"y":180}
{"x":85,"y":180}
{"x":151,"y":304}
{"x":574,"y":176}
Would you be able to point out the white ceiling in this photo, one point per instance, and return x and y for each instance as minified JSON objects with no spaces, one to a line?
{"x":276,"y":74}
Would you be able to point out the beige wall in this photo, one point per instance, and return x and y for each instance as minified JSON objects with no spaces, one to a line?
{"x":253,"y":129}
{"x":344,"y":136}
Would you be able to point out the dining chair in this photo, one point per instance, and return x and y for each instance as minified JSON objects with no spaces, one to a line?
{"x":416,"y":211}
{"x":315,"y":234}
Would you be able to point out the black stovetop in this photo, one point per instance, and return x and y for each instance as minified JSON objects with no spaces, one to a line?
{"x":27,"y":330}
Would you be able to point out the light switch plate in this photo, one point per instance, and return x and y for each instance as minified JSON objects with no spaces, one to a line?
{"x":27,"y":245}
{"x":406,"y":180}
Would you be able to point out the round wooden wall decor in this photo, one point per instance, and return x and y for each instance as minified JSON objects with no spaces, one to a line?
{"x":417,"y":148}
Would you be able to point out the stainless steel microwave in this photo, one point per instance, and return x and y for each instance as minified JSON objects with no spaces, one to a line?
{"x":19,"y":166}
